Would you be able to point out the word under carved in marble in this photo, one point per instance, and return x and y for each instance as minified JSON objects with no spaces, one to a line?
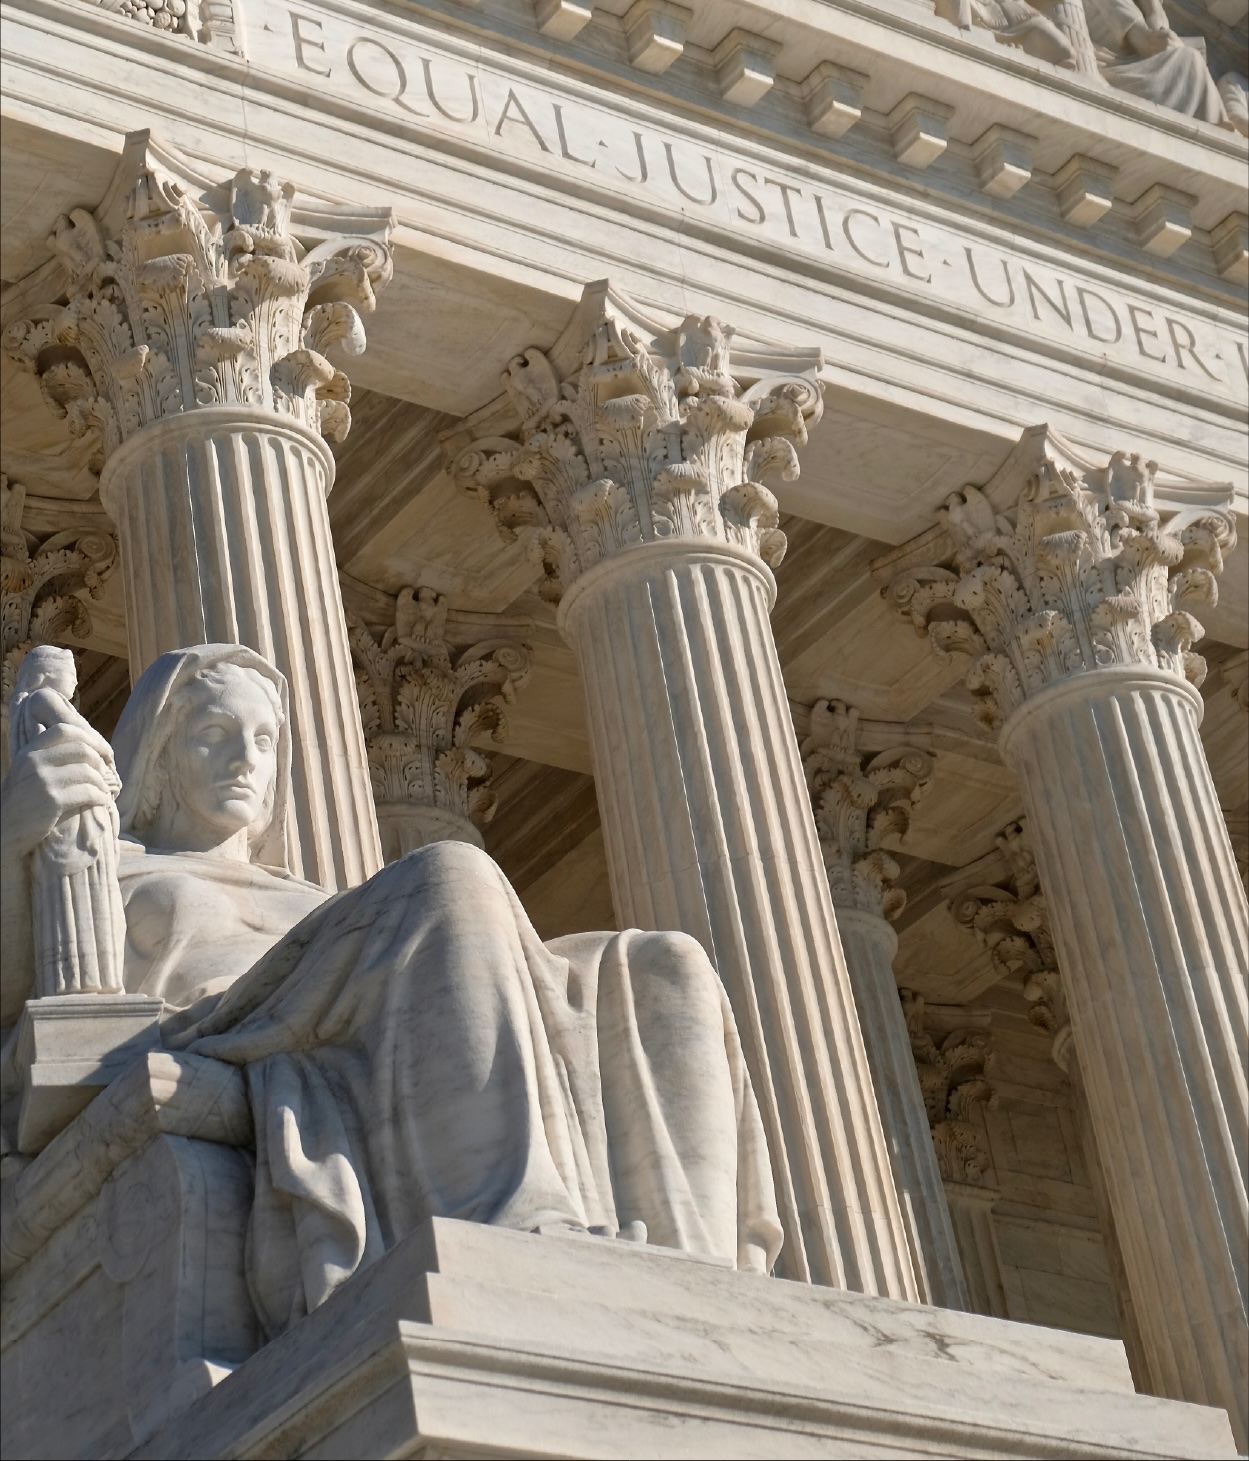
{"x":1010,"y":921}
{"x":1085,"y":572}
{"x":43,"y":579}
{"x":422,"y":84}
{"x":651,"y":439}
{"x":1128,"y":44}
{"x":863,"y":802}
{"x":427,"y":700}
{"x":200,"y":301}
{"x":954,"y":1077}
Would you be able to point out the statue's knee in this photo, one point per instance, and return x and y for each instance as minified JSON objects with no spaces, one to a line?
{"x":676,"y":967}
{"x":451,"y":860}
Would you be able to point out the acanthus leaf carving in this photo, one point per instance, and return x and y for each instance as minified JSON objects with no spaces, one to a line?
{"x":863,"y":806}
{"x":201,"y":295}
{"x":954,"y":1076}
{"x":427,"y":704}
{"x":1093,"y":570}
{"x":1010,"y":921}
{"x":42,"y":581}
{"x":650,"y":437}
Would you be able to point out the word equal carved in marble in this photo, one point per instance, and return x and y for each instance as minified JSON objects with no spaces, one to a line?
{"x":198,"y":304}
{"x":1089,"y":573}
{"x":425,"y":703}
{"x":641,"y":445}
{"x":863,"y":803}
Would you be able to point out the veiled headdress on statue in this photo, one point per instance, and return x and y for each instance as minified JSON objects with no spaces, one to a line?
{"x":154,"y":712}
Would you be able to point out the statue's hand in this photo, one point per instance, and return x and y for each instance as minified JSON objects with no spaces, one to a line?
{"x":64,"y":770}
{"x":1148,"y":41}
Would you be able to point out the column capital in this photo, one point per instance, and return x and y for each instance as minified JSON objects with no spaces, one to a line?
{"x":954,"y":1077}
{"x":183,"y":291}
{"x":1010,"y":920}
{"x":44,"y":575}
{"x":863,"y":789}
{"x":430,"y":691}
{"x":1061,"y":565}
{"x":630,"y":432}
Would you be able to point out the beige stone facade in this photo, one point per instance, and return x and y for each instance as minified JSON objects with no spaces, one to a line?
{"x":792,"y":493}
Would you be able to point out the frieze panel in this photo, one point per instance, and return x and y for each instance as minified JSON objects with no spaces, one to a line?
{"x":418,"y":83}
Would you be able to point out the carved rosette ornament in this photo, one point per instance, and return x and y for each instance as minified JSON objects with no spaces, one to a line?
{"x":425,"y":705}
{"x":1010,"y":921}
{"x":1087,"y":571}
{"x":41,"y":584}
{"x":954,"y":1077}
{"x":863,"y":805}
{"x":648,"y":440}
{"x":197,"y":302}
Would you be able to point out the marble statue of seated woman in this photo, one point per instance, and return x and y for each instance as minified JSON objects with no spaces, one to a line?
{"x":411,"y":1047}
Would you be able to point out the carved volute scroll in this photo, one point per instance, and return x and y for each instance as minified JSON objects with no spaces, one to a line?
{"x":426,"y":705}
{"x":863,"y":805}
{"x":1010,"y":921}
{"x":201,"y":294}
{"x":1091,"y":568}
{"x":954,"y":1077}
{"x":656,"y":435}
{"x":41,"y":581}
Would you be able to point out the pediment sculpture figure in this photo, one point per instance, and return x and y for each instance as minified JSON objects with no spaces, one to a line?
{"x":1129,"y":43}
{"x":411,"y":1047}
{"x":1137,"y":51}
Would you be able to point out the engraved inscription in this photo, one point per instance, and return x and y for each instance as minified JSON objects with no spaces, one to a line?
{"x":414,"y":83}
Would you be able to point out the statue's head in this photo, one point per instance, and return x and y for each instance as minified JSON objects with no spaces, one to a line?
{"x":203,"y":750}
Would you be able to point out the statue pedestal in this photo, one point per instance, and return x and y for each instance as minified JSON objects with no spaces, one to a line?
{"x":71,"y":1047}
{"x":467,"y":1340}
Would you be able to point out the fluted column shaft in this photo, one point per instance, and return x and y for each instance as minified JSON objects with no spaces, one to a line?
{"x":709,"y":830}
{"x":971,"y":1215}
{"x":1150,"y":923}
{"x":224,"y":537}
{"x":870,"y":944}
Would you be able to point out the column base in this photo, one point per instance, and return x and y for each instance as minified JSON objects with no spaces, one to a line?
{"x":467,"y":1340}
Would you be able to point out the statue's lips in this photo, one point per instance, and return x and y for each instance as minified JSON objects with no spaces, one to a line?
{"x":239,"y":788}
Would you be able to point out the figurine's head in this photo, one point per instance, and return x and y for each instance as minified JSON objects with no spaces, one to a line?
{"x":204,"y":753}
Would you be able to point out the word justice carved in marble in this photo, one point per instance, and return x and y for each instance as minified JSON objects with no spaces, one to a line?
{"x":411,"y":1048}
{"x":418,"y":82}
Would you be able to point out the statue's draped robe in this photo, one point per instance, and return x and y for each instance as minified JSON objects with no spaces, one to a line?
{"x":1176,"y":77}
{"x":413,"y":1049}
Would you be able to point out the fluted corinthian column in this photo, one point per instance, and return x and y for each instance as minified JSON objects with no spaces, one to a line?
{"x":862,"y":807}
{"x":193,"y":347}
{"x":635,"y":481}
{"x":1076,"y":613}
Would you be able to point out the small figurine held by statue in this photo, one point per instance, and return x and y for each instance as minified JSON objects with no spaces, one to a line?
{"x":78,"y":921}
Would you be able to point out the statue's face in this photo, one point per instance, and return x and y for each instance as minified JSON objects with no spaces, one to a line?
{"x":227,"y":753}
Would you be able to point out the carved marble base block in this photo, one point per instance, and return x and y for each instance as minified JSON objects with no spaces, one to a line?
{"x":1150,"y":925}
{"x":69,"y":1047}
{"x":870,"y":944}
{"x":225,"y":538}
{"x":708,"y":829}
